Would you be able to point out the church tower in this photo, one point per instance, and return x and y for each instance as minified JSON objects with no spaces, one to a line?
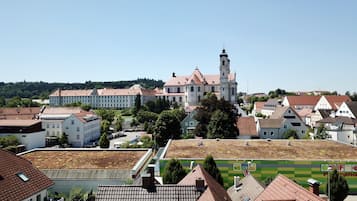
{"x":224,"y":70}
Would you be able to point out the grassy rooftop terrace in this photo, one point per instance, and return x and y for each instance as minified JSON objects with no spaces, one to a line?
{"x":84,"y":159}
{"x":261,"y":149}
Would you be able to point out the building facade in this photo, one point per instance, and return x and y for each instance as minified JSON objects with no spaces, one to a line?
{"x":190,"y":89}
{"x":28,"y":132}
{"x":82,"y":127}
{"x":102,"y":98}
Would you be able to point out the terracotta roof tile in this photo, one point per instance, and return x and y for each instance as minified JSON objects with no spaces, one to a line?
{"x":214,"y":191}
{"x":19,"y":113}
{"x":259,"y":106}
{"x":247,"y":126}
{"x":198,"y":78}
{"x":303,"y":100}
{"x":271,"y":123}
{"x":282,"y":188}
{"x":12,"y":187}
{"x":336,"y":101}
{"x":18,"y":122}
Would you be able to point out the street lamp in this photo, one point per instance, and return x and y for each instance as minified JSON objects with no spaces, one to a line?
{"x":328,"y":180}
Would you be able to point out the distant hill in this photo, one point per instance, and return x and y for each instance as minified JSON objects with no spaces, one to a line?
{"x":43,"y":89}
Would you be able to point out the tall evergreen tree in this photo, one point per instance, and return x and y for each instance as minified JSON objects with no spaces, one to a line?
{"x":338,"y":187}
{"x":173,"y":172}
{"x":211,"y":167}
{"x":137,"y":105}
{"x":103,"y":141}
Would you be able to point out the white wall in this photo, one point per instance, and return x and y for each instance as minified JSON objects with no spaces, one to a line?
{"x":43,"y":194}
{"x":323,"y":104}
{"x":30,"y":140}
{"x":80,"y":133}
{"x":345,"y":111}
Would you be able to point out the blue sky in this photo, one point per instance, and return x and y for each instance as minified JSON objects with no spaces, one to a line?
{"x":295,"y":45}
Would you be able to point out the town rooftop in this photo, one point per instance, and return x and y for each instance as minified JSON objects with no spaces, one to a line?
{"x":261,"y":149}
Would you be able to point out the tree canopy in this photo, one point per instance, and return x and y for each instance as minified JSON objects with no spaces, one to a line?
{"x":208,"y":106}
{"x":211,"y":167}
{"x":167,"y":127}
{"x":220,"y":126}
{"x":173,"y":172}
{"x":41,"y":90}
{"x":103,"y":141}
{"x":339,"y":186}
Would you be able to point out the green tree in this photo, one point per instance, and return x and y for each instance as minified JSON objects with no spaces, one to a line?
{"x":179,"y":113}
{"x":104,"y":126}
{"x":290,"y":133}
{"x":211,"y":167}
{"x":106,"y":114}
{"x":220,"y":126}
{"x":173,"y":172}
{"x":137,"y":105}
{"x":339,"y":186}
{"x":2,"y":102}
{"x":209,"y":104}
{"x":103,"y":141}
{"x":63,"y":139}
{"x":9,"y":140}
{"x":167,"y":127}
{"x":118,"y":122}
{"x":321,"y":133}
{"x":146,"y":116}
{"x":86,"y":107}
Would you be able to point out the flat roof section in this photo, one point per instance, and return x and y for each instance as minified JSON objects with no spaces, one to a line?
{"x":84,"y":159}
{"x":261,"y":149}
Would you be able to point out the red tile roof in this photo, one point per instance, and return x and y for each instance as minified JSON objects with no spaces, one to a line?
{"x":303,"y":100}
{"x":247,"y":126}
{"x":214,"y":191}
{"x":196,"y":77}
{"x":19,"y":113}
{"x":282,"y":188}
{"x":336,"y":101}
{"x":259,"y":106}
{"x":12,"y":187}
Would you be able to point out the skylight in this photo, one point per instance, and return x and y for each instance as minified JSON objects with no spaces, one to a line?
{"x":23,"y":177}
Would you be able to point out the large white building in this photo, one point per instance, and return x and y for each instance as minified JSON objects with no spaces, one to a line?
{"x":102,"y":98}
{"x":28,"y":132}
{"x":188,"y":90}
{"x":82,"y":127}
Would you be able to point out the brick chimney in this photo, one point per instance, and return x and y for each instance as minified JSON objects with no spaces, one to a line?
{"x":148,"y":179}
{"x":314,"y":186}
{"x":200,"y":185}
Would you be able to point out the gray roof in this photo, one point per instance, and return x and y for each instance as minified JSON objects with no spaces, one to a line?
{"x":165,"y":192}
{"x":338,"y":120}
{"x":249,"y":188}
{"x":325,"y":113}
{"x":353,"y":107}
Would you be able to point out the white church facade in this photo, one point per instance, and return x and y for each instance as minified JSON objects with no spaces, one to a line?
{"x":190,"y":89}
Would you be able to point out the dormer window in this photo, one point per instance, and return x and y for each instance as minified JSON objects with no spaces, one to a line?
{"x":23,"y":177}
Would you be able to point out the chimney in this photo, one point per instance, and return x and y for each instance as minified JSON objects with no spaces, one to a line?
{"x":173,"y":74}
{"x":236,"y":181}
{"x":148,"y":179}
{"x":200,"y":185}
{"x":314,"y":186}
